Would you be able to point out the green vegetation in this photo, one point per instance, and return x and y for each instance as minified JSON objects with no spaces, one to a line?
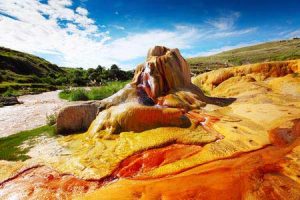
{"x":270,"y":51}
{"x":10,"y":146}
{"x":10,"y":92}
{"x":51,"y":119}
{"x":94,"y":93}
{"x":22,"y":73}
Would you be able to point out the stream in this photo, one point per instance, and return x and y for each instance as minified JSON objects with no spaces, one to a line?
{"x":30,"y":114}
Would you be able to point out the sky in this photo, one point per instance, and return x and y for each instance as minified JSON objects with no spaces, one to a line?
{"x":88,"y":33}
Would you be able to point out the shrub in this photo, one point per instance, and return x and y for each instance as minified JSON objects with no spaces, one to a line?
{"x":51,"y":119}
{"x":10,"y":92}
{"x":74,"y":94}
{"x":79,"y":95}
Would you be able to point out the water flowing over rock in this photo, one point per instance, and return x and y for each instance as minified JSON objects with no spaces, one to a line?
{"x":162,"y":138}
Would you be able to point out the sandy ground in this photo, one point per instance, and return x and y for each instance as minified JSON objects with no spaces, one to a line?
{"x":31,"y":114}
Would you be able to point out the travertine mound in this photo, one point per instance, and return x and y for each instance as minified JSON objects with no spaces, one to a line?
{"x":249,"y":73}
{"x":165,"y":70}
{"x":162,"y":82}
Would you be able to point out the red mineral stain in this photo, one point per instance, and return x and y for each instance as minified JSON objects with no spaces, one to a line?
{"x":283,"y":135}
{"x":253,"y":175}
{"x":42,"y":182}
{"x":203,"y":119}
{"x":145,"y":161}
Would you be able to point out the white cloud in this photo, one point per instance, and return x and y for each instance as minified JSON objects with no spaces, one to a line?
{"x":136,"y":45}
{"x":82,"y":11}
{"x":224,"y":22}
{"x":70,"y":34}
{"x":295,"y":33}
{"x":118,"y":27}
{"x":231,"y":33}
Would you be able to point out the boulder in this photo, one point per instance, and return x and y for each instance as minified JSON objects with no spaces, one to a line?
{"x":77,"y":117}
{"x":8,"y":101}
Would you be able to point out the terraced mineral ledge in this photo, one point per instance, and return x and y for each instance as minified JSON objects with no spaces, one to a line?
{"x":162,"y":138}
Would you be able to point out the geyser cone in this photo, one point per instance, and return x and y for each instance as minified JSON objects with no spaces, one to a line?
{"x":165,"y":72}
{"x":163,"y":82}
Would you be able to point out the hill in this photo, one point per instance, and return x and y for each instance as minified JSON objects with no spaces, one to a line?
{"x":24,"y":63}
{"x":269,"y":51}
{"x":23,"y":71}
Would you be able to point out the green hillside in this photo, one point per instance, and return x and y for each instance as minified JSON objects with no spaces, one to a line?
{"x":23,"y":73}
{"x":26,"y":64}
{"x":270,"y":51}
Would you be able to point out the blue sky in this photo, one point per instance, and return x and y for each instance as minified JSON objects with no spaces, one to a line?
{"x":86,"y":33}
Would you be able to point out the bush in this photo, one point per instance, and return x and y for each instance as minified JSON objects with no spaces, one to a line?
{"x":51,"y":119}
{"x":62,"y":80}
{"x":79,"y":95}
{"x":74,"y":94}
{"x":10,"y":92}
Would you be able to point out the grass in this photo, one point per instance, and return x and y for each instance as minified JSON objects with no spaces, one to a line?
{"x":11,"y":92}
{"x":270,"y":51}
{"x":95,"y":93}
{"x":9,"y":145}
{"x":17,"y":89}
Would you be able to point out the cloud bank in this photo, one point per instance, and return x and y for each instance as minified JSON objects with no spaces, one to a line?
{"x":74,"y":39}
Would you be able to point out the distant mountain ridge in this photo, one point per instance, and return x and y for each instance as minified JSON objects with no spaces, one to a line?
{"x":269,"y":51}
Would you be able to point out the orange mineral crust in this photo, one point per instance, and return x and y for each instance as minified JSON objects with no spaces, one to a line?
{"x":262,"y":174}
{"x":41,"y":182}
{"x":257,"y":175}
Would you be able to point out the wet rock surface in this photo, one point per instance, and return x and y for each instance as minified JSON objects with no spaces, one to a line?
{"x":170,"y":141}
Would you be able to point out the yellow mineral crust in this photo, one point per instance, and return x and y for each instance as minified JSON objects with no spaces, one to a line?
{"x":252,"y":73}
{"x":244,"y":126}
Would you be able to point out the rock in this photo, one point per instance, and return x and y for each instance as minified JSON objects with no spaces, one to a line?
{"x":76,"y":118}
{"x":8,"y":101}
